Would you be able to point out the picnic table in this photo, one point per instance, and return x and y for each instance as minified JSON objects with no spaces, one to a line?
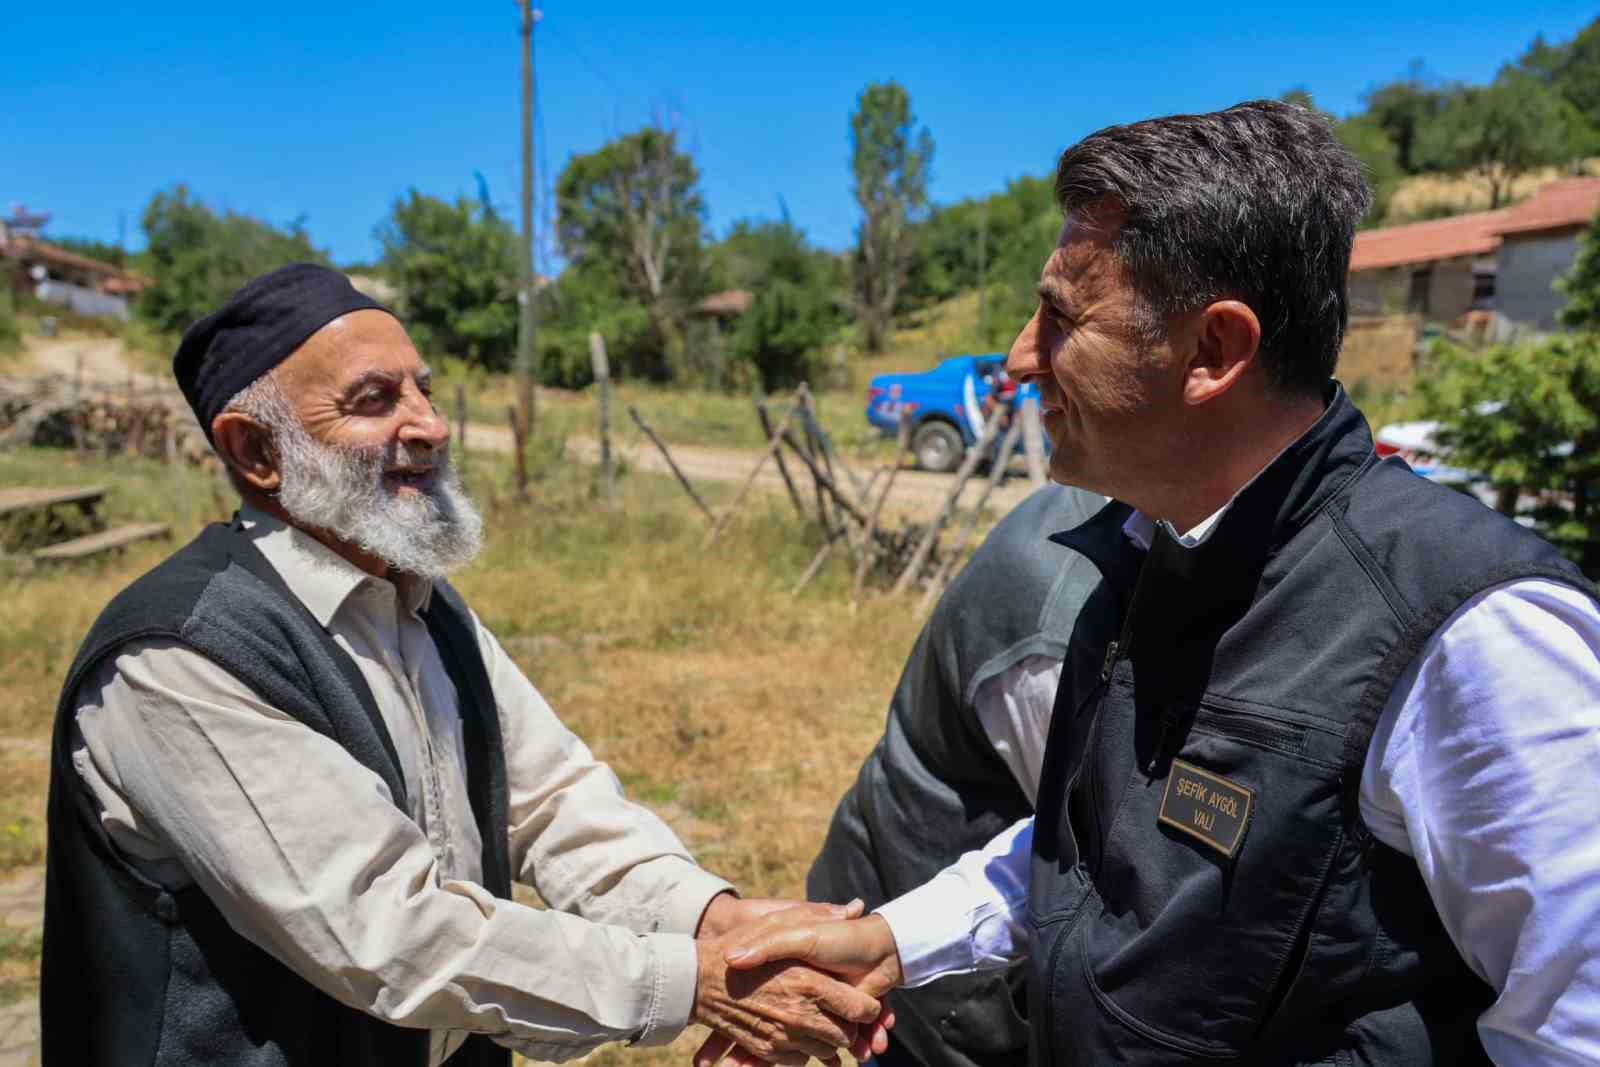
{"x":16,"y":501}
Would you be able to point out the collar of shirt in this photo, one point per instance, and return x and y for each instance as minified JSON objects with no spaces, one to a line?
{"x":1141,"y":528}
{"x":319,"y":576}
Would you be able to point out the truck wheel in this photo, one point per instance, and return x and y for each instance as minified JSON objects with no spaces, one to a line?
{"x":938,"y":447}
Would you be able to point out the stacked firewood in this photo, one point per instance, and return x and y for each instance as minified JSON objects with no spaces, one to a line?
{"x":146,"y":424}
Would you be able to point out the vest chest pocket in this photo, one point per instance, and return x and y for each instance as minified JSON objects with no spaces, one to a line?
{"x":1213,"y":868}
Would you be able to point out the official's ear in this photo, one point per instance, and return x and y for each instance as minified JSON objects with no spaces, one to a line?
{"x":1227,"y":341}
{"x":246,"y":446}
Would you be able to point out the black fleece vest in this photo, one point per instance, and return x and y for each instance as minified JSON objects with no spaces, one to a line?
{"x":139,"y":973}
{"x":1204,"y":888}
{"x":934,"y":788}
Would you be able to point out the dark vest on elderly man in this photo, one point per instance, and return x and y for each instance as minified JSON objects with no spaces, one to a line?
{"x":139,"y":972}
{"x":1204,"y":887}
{"x":934,"y":788}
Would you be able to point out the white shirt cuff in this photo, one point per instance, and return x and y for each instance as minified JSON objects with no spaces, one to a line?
{"x":677,"y":974}
{"x":969,"y":916}
{"x":932,"y":928}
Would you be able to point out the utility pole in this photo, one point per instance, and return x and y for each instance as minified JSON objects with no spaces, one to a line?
{"x":527,"y":316}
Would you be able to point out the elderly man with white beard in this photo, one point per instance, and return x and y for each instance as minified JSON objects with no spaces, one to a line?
{"x":294,"y":776}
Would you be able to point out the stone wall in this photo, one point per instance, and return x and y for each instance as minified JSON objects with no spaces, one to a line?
{"x":1388,"y":291}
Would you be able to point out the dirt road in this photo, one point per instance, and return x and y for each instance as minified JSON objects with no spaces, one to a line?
{"x":100,"y":360}
{"x":917,"y":494}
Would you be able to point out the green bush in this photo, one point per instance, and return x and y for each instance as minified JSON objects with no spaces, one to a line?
{"x":1528,"y":417}
{"x":10,"y":331}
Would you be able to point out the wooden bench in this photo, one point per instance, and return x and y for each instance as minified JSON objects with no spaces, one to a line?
{"x":104,"y":541}
{"x":17,"y":500}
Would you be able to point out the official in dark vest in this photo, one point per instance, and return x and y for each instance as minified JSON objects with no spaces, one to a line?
{"x":294,"y":776}
{"x":1318,"y":783}
{"x":959,"y":762}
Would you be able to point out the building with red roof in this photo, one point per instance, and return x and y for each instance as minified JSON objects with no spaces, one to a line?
{"x":1538,"y":243}
{"x":1505,"y":260}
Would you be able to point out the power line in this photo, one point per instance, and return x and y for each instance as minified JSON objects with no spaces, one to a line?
{"x":571,"y":46}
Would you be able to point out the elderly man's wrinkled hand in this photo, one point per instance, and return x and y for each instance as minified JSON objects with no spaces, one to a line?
{"x":860,"y":951}
{"x":781,"y":1012}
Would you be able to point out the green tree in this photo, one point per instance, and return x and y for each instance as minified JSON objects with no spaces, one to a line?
{"x":1366,"y":137}
{"x":632,"y":212}
{"x":1571,"y":69}
{"x":798,"y":300}
{"x":1402,"y":109}
{"x":1581,"y":286}
{"x":455,"y":266}
{"x":890,"y":161}
{"x":199,"y":257}
{"x":946,"y":244}
{"x":1500,"y":131}
{"x":585,"y":297}
{"x":1528,"y":416}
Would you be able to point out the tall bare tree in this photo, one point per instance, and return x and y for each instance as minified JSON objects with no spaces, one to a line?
{"x":633,"y":209}
{"x":890,"y":161}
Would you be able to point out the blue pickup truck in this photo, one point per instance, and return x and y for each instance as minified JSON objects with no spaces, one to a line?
{"x":945,"y":405}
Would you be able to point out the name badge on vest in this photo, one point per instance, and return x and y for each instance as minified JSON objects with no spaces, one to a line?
{"x":1207,"y":806}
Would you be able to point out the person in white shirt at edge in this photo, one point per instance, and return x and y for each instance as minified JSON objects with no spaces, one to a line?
{"x":200,"y":783}
{"x":1480,"y":768}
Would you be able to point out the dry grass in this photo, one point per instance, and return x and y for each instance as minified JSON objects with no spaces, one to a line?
{"x":1431,"y":195}
{"x":934,"y":333}
{"x":738,"y":712}
{"x":19,"y":963}
{"x":1378,"y":350}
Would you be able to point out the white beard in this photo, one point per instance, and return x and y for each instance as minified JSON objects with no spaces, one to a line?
{"x":342,"y":491}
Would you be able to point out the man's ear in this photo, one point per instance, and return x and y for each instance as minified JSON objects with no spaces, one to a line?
{"x":246,"y":446}
{"x":1227,"y":340}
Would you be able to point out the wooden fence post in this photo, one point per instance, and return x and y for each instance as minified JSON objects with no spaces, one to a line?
{"x":517,"y":443}
{"x":461,"y":418}
{"x":602,"y":380}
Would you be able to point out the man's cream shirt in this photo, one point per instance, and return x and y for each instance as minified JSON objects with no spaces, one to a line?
{"x":305,"y":853}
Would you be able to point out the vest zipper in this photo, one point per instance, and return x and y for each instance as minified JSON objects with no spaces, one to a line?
{"x":1109,"y":665}
{"x":1285,"y":737}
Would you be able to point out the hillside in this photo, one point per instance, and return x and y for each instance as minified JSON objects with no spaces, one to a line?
{"x":1429,"y":196}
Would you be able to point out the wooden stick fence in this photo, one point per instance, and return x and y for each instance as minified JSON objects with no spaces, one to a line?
{"x":667,"y":455}
{"x":773,"y":445}
{"x":902,"y":446}
{"x":929,"y":536}
{"x":997,"y":472}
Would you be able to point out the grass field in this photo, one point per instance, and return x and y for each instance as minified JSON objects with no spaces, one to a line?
{"x":738,"y":712}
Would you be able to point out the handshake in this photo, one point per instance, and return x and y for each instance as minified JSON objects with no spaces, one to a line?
{"x":782,"y":981}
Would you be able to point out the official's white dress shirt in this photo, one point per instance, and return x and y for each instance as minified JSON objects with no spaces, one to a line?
{"x":304,"y":852}
{"x":1484,"y":767}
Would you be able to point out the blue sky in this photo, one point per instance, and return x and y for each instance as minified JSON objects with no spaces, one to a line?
{"x":329,"y":111}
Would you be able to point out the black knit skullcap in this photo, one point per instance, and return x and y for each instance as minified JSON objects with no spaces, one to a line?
{"x":258,"y":328}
